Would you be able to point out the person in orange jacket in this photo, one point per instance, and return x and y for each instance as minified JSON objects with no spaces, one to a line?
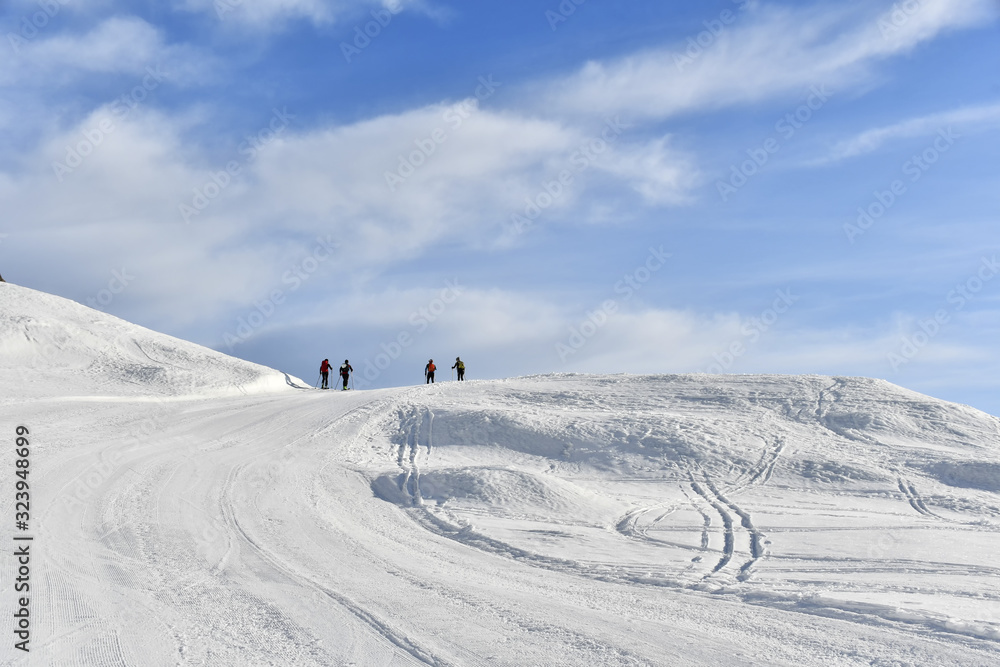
{"x":429,"y":371}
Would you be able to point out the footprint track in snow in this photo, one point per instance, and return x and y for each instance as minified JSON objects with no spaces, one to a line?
{"x":417,"y":427}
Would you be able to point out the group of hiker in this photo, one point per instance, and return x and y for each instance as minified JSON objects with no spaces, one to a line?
{"x":458,"y":367}
{"x":346,"y":370}
{"x":345,"y":373}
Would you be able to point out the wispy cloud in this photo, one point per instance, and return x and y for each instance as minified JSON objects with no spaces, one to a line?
{"x":777,"y":51}
{"x":389,"y":188}
{"x":120,"y":45}
{"x":968,"y":119}
{"x":273,"y":14}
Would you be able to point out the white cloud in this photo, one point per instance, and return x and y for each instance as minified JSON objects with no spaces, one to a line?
{"x":391,"y":185}
{"x":968,"y":119}
{"x":117,"y":45}
{"x":109,"y":192}
{"x":272,"y":14}
{"x":661,"y":174}
{"x":769,"y":52}
{"x":512,"y":333}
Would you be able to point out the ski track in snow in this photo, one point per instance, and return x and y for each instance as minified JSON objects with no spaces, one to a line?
{"x":416,"y":432}
{"x":382,"y":628}
{"x":757,"y":475}
{"x":916,"y":502}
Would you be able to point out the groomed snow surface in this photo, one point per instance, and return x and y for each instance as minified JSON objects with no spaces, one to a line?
{"x":193,"y":509}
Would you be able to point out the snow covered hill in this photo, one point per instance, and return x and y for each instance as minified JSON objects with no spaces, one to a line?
{"x":827,"y":495}
{"x":549,"y":520}
{"x":53,"y":346}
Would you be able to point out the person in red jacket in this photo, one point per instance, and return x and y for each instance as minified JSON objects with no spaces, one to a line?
{"x":429,"y":371}
{"x":324,"y":370}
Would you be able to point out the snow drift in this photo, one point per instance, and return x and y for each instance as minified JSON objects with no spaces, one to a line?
{"x":53,"y":346}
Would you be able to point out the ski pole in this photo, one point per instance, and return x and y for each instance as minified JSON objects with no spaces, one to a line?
{"x":316,"y":383}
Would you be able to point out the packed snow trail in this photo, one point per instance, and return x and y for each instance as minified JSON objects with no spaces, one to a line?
{"x":226,"y":517}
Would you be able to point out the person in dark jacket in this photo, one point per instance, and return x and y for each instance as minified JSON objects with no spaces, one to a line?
{"x":345,"y":372}
{"x":459,"y":368}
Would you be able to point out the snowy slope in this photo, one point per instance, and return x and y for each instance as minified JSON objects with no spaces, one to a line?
{"x":550,"y":520}
{"x":765,"y":488}
{"x":53,"y":346}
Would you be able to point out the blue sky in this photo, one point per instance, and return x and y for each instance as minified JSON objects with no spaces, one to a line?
{"x":539,"y":187}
